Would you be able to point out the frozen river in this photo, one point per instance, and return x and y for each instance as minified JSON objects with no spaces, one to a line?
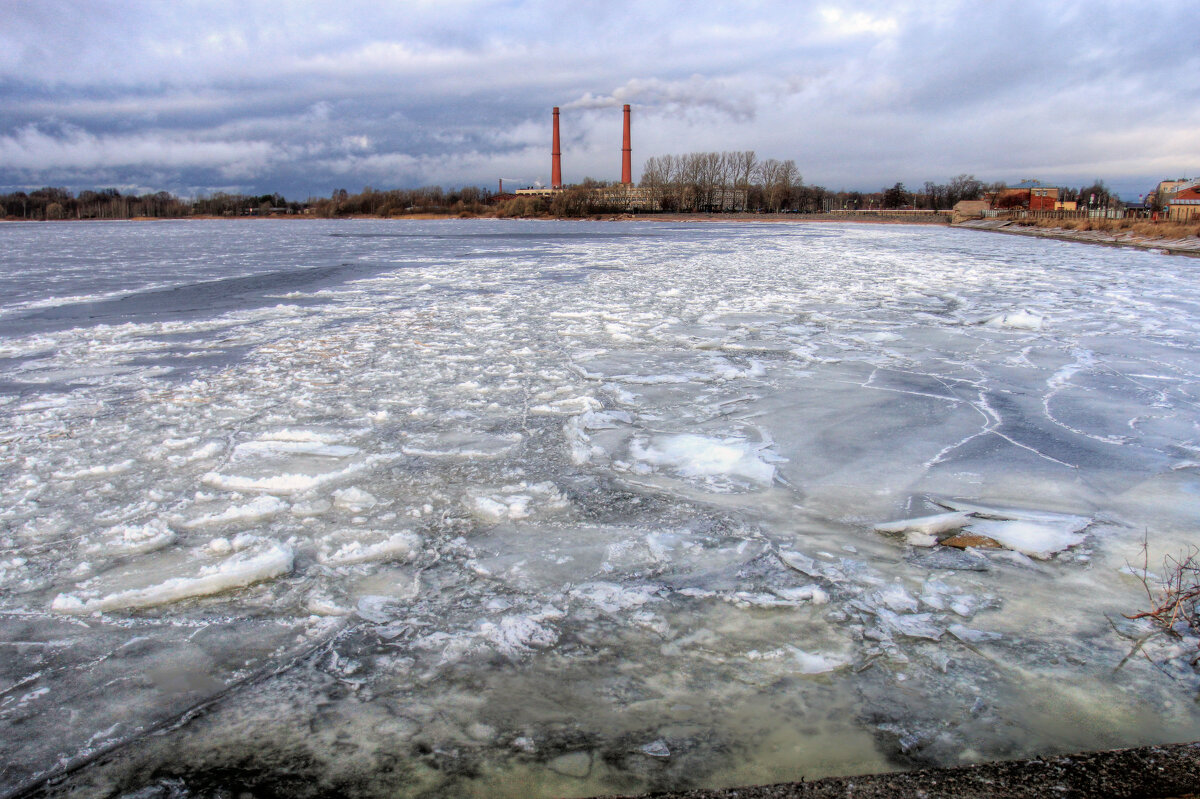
{"x":505,"y":508}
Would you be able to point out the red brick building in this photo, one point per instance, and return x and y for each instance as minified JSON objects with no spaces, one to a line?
{"x":1184,"y":205}
{"x":1031,"y":194}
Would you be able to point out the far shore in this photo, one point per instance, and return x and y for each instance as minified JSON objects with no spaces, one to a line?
{"x":1118,"y":236}
{"x":885,"y":219}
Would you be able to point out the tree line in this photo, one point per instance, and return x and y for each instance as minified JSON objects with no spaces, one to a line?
{"x":739,"y":181}
{"x":468,"y":200}
{"x":725,"y":181}
{"x":694,"y":182}
{"x":56,"y":203}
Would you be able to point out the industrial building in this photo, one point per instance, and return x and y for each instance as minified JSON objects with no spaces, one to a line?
{"x":624,"y":195}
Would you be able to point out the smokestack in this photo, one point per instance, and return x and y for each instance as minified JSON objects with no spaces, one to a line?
{"x":555,"y":157}
{"x":626,"y":153}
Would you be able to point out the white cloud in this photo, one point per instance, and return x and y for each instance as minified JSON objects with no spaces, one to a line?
{"x":32,"y":150}
{"x":730,"y":96}
{"x":841,"y":23}
{"x":860,"y":94}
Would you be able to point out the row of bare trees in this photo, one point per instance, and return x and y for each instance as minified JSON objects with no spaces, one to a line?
{"x":399,"y":202}
{"x":57,"y":203}
{"x":726,"y":181}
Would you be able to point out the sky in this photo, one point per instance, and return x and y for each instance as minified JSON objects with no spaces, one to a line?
{"x":303,"y":98}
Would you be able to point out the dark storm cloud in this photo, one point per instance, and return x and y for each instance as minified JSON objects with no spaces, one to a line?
{"x":302,"y":98}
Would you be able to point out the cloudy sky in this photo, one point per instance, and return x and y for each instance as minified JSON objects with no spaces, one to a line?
{"x":303,"y":98}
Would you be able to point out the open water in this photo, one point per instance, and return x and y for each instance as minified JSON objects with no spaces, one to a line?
{"x":505,"y":508}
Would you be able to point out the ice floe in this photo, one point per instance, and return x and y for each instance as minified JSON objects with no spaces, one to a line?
{"x":364,"y":547}
{"x":1038,"y":534}
{"x":253,"y":560}
{"x":1022,"y":319}
{"x":131,"y":539}
{"x":255,"y":510}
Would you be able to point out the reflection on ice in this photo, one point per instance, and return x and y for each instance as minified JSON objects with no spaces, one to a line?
{"x":766,"y":502}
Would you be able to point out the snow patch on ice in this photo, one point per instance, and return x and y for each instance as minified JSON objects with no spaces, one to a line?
{"x":1037,"y":539}
{"x":923,"y":531}
{"x":1022,"y":319}
{"x":571,"y":405}
{"x":693,"y":455}
{"x":516,"y":634}
{"x":258,"y":509}
{"x":353,"y":499}
{"x":267,"y":447}
{"x":523,"y":502}
{"x":132,"y":539}
{"x":103,"y":470}
{"x":398,"y":546}
{"x":613,"y":597}
{"x":467,"y":446}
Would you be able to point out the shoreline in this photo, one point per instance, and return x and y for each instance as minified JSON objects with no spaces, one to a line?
{"x":1189,"y":246}
{"x":1169,"y":771}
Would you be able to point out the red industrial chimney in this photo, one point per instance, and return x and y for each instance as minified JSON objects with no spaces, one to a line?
{"x":626,"y":153}
{"x":555,"y":158}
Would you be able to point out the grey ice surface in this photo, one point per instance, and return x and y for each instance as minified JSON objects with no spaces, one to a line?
{"x":546,"y":508}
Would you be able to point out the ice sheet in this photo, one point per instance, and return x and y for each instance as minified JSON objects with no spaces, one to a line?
{"x":530,"y":504}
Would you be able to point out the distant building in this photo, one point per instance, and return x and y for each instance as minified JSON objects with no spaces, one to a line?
{"x":538,"y":191}
{"x":1183,"y":205}
{"x":1031,"y":194}
{"x":968,"y":209}
{"x":613,"y":197}
{"x":1166,"y":188}
{"x":626,"y":197}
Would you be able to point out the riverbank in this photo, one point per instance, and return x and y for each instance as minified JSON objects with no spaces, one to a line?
{"x":1151,"y":772}
{"x":1118,"y":237}
{"x":1187,"y":245}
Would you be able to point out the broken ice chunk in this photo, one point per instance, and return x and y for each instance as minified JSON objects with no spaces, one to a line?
{"x":1021,"y":319}
{"x":273,"y":447}
{"x":950,"y":559}
{"x":1037,"y":539}
{"x":257,"y":560}
{"x":657,"y":748}
{"x":611,"y":597}
{"x":923,"y":531}
{"x":913,"y":625}
{"x":516,"y":634}
{"x":816,"y":662}
{"x":810,"y":593}
{"x":353,"y":499}
{"x":697,"y":456}
{"x":896,"y":598}
{"x":378,"y":609}
{"x":997,"y":512}
{"x":494,"y":509}
{"x":571,"y":405}
{"x":259,"y":508}
{"x":969,"y":636}
{"x":132,"y":539}
{"x":399,"y":546}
